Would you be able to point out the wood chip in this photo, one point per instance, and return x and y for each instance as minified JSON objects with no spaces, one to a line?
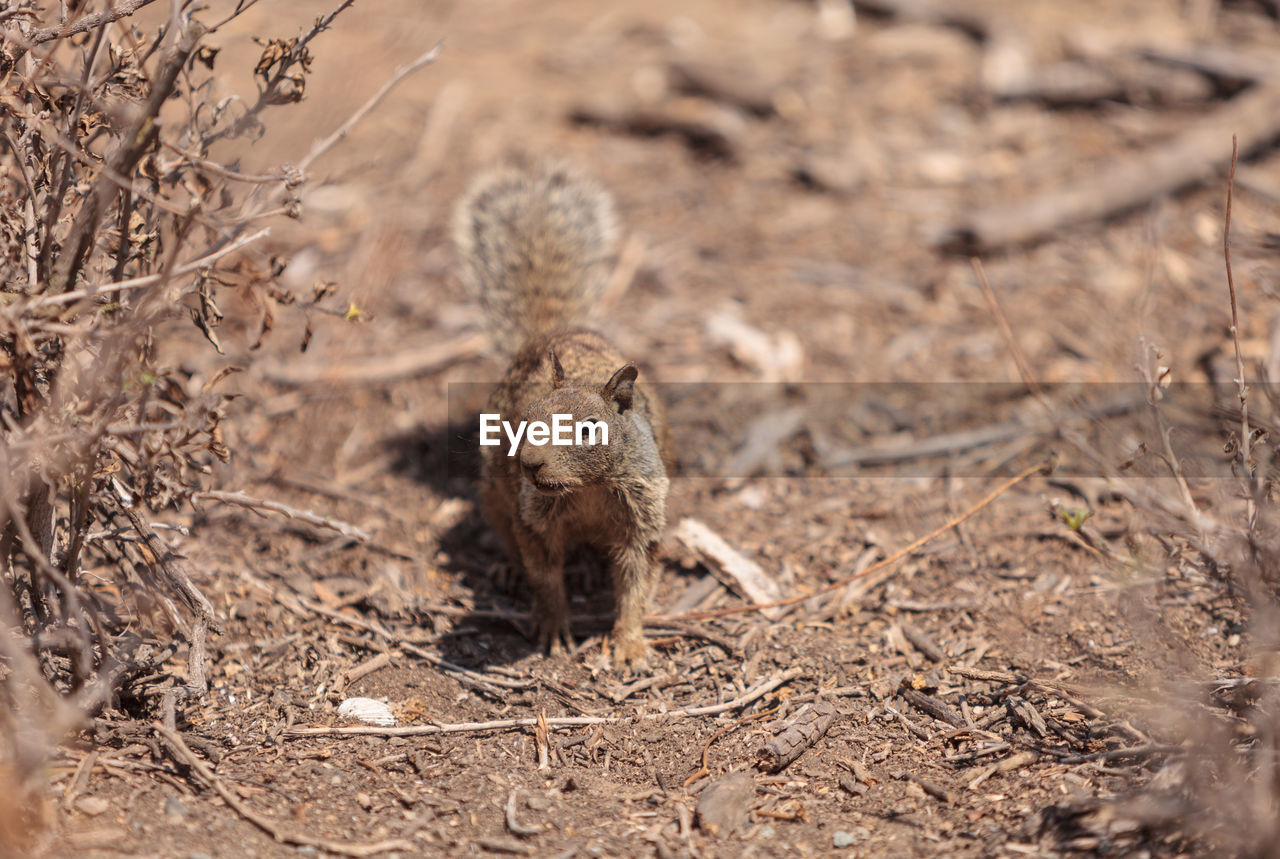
{"x":808,"y":726}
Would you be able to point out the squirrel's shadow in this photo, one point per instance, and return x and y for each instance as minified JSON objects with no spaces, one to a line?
{"x":446,"y":458}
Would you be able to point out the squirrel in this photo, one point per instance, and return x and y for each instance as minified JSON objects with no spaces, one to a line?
{"x":532,"y":243}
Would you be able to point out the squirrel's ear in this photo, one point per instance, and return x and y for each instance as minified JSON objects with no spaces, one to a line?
{"x":621,"y":388}
{"x":557,"y":369}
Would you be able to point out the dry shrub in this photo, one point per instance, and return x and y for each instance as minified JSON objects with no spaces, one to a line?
{"x":115,"y":219}
{"x":1220,"y":534}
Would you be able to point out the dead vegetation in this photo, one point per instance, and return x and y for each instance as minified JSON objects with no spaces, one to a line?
{"x":116,"y":219}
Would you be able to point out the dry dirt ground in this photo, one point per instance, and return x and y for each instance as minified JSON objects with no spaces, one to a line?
{"x":1032,"y":712}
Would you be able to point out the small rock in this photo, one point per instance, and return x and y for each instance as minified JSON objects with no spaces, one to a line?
{"x":92,"y":806}
{"x":842,"y":839}
{"x":723,"y":805}
{"x":364,"y":800}
{"x":174,"y":807}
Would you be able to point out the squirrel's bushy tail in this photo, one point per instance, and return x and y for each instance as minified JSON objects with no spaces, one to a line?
{"x":532,"y":243}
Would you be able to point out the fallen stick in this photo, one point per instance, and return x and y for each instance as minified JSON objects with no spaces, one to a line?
{"x":258,"y":505}
{"x":932,"y":706}
{"x":178,"y":748}
{"x":808,"y":726}
{"x":1128,"y":181}
{"x":729,"y":565}
{"x":761,"y":689}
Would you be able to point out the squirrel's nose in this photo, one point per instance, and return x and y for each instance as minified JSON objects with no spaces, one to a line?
{"x":532,"y":468}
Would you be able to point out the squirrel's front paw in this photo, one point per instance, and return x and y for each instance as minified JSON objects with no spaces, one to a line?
{"x":630,"y":652}
{"x":551,"y":630}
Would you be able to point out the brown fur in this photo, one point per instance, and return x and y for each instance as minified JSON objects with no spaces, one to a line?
{"x":546,"y":499}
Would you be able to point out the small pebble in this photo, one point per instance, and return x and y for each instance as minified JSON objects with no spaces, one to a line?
{"x":92,"y":806}
{"x":843,"y":839}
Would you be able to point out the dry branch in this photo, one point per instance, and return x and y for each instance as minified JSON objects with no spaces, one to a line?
{"x":761,"y":689}
{"x":1128,"y":181}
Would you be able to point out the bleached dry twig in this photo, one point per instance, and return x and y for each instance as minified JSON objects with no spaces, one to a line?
{"x":761,"y":689}
{"x":323,"y":146}
{"x":150,"y":280}
{"x":346,"y":529}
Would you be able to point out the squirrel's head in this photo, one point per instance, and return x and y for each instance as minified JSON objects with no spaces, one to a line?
{"x":587,"y":432}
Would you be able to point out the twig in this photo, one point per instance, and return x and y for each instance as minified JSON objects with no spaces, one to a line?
{"x":760,"y":689}
{"x":962,"y":440}
{"x":731,"y":566}
{"x":323,"y":146}
{"x":151,"y":279}
{"x":1006,"y":331}
{"x":705,"y":769}
{"x":113,"y":12}
{"x":346,"y":529}
{"x":160,"y":557}
{"x":1242,"y":388}
{"x":1131,"y":752}
{"x":178,"y":748}
{"x":515,"y":826}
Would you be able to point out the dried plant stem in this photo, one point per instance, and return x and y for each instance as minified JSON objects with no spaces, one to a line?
{"x":346,"y":529}
{"x":113,"y":12}
{"x":152,"y":279}
{"x":705,"y":769}
{"x":323,"y":146}
{"x":1246,"y":457}
{"x":1006,"y":331}
{"x":764,"y":687}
